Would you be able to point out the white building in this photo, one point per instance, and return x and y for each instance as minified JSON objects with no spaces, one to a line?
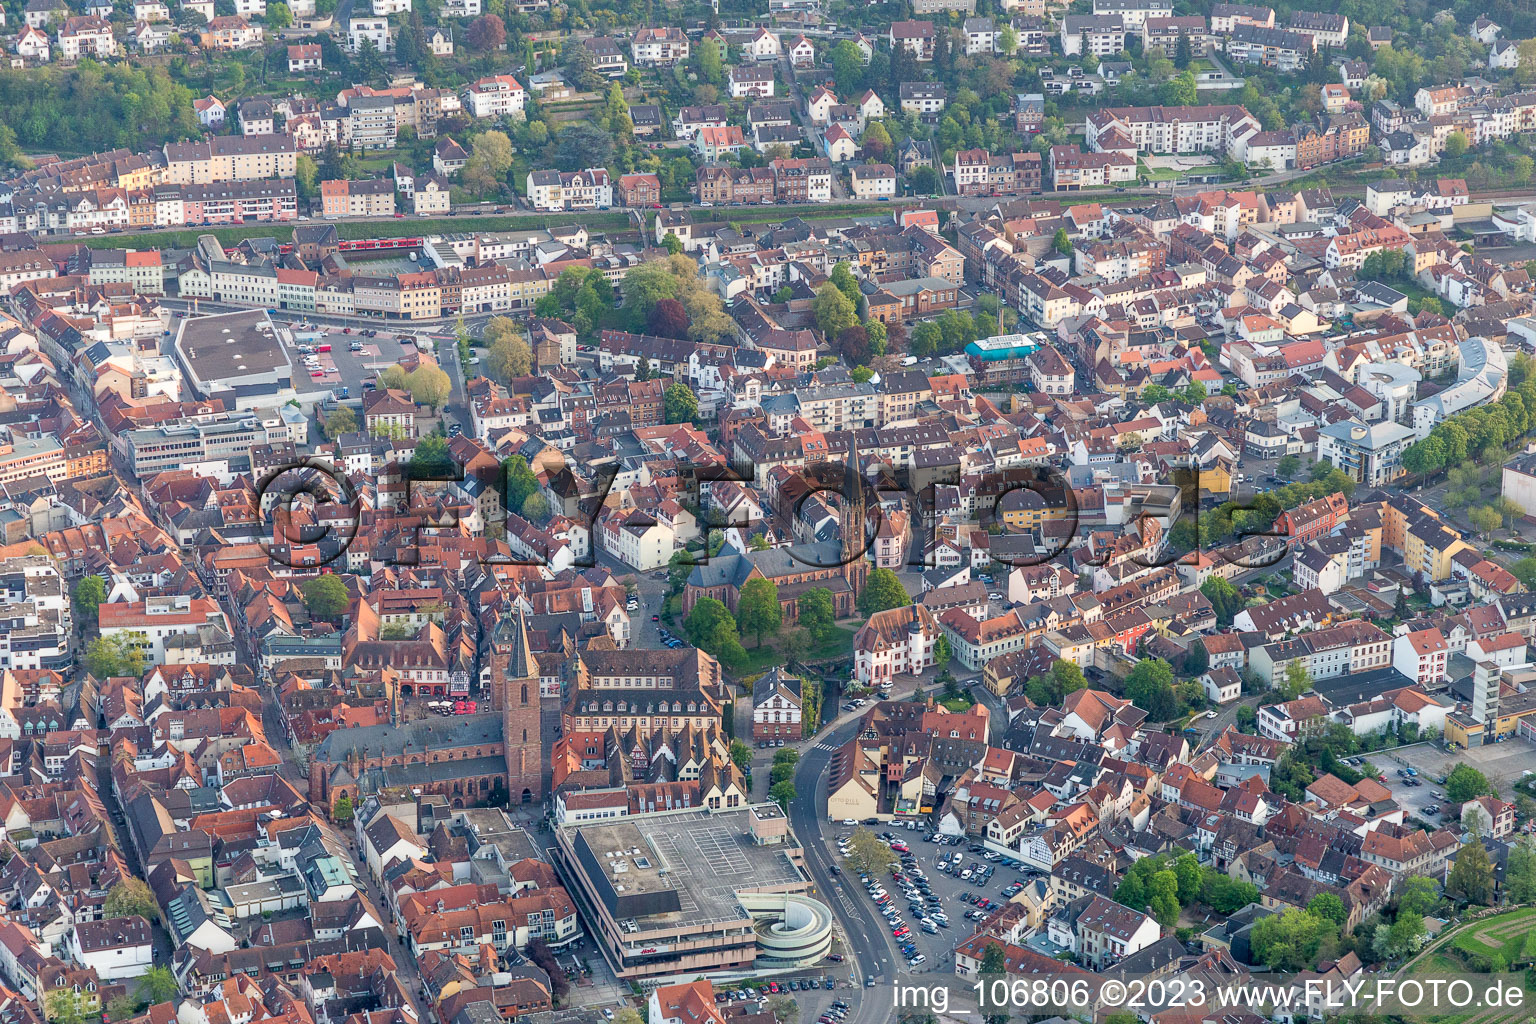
{"x":637,"y":539}
{"x":117,"y":947}
{"x":496,"y":96}
{"x":369,"y":30}
{"x":149,"y":622}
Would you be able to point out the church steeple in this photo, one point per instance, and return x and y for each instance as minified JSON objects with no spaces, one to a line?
{"x":520,"y":661}
{"x":854,"y":539}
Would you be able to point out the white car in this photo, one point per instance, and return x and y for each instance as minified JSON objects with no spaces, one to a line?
{"x":1210,"y":714}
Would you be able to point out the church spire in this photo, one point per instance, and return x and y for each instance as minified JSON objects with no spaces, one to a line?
{"x":520,"y":663}
{"x":853,"y":514}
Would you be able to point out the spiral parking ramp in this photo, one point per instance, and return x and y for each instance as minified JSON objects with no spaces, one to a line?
{"x":792,"y":930}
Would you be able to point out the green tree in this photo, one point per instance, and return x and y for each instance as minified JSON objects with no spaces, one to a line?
{"x":509,"y":357}
{"x":1226,"y":895}
{"x":66,"y":1006}
{"x":1296,"y":680}
{"x":341,"y":809}
{"x":1224,"y":598}
{"x":1419,"y":895}
{"x":1132,"y":892}
{"x":326,"y":596}
{"x":117,"y":655}
{"x":1456,"y":144}
{"x":1286,"y":468}
{"x":867,"y":854}
{"x":679,"y":403}
{"x":1196,"y":659}
{"x":1062,"y":243}
{"x":711,"y":62}
{"x":518,"y":482}
{"x":672,"y":243}
{"x":817,"y":613}
{"x":882,"y":590}
{"x":535,"y":508}
{"x":279,"y":17}
{"x":833,"y":310}
{"x":429,"y":385}
{"x":342,"y":420}
{"x":680,"y":566}
{"x":431,"y":459}
{"x":1520,"y":872}
{"x":1163,"y":898}
{"x":1466,"y":783}
{"x":90,"y":593}
{"x":1329,"y":907}
{"x":1471,"y":878}
{"x":1190,"y":876}
{"x":1182,"y":53}
{"x":847,"y":66}
{"x":994,"y":960}
{"x":306,"y":175}
{"x":1288,"y":942}
{"x":130,"y":897}
{"x":741,"y":754}
{"x":942,"y":653}
{"x":842,"y":276}
{"x":782,"y":793}
{"x":711,"y":628}
{"x":757,"y":608}
{"x":158,"y":985}
{"x":1150,"y":687}
{"x":1485,"y":519}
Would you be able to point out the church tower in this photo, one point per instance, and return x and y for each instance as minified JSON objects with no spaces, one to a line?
{"x":855,"y":540}
{"x":516,"y":673}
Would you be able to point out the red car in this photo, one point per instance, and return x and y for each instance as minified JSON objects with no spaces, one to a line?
{"x":773,"y":986}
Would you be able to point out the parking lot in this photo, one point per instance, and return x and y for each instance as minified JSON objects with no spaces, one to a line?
{"x":1502,"y":764}
{"x":814,"y":1001}
{"x":342,"y":367}
{"x":948,"y":886}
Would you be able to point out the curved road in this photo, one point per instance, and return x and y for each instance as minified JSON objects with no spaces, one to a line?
{"x":868,"y":947}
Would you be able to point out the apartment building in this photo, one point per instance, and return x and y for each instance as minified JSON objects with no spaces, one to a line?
{"x":230,"y":158}
{"x":149,"y":622}
{"x":1203,"y":129}
{"x":659,"y":47}
{"x":496,"y":96}
{"x":1102,"y":35}
{"x":369,"y":198}
{"x":873,"y":181}
{"x":1072,"y":169}
{"x":86,"y":35}
{"x":371,"y":31}
{"x":1349,"y":648}
{"x":558,"y":191}
{"x":802,"y":180}
{"x":1226,"y":17}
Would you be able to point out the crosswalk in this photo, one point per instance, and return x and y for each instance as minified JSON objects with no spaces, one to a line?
{"x":826,"y":745}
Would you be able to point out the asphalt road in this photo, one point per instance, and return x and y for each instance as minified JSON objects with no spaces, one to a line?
{"x":867,"y":948}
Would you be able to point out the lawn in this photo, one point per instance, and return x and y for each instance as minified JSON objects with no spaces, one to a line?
{"x":1156,"y":173}
{"x":760,"y":659}
{"x":1502,"y":935}
{"x":958,"y":705}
